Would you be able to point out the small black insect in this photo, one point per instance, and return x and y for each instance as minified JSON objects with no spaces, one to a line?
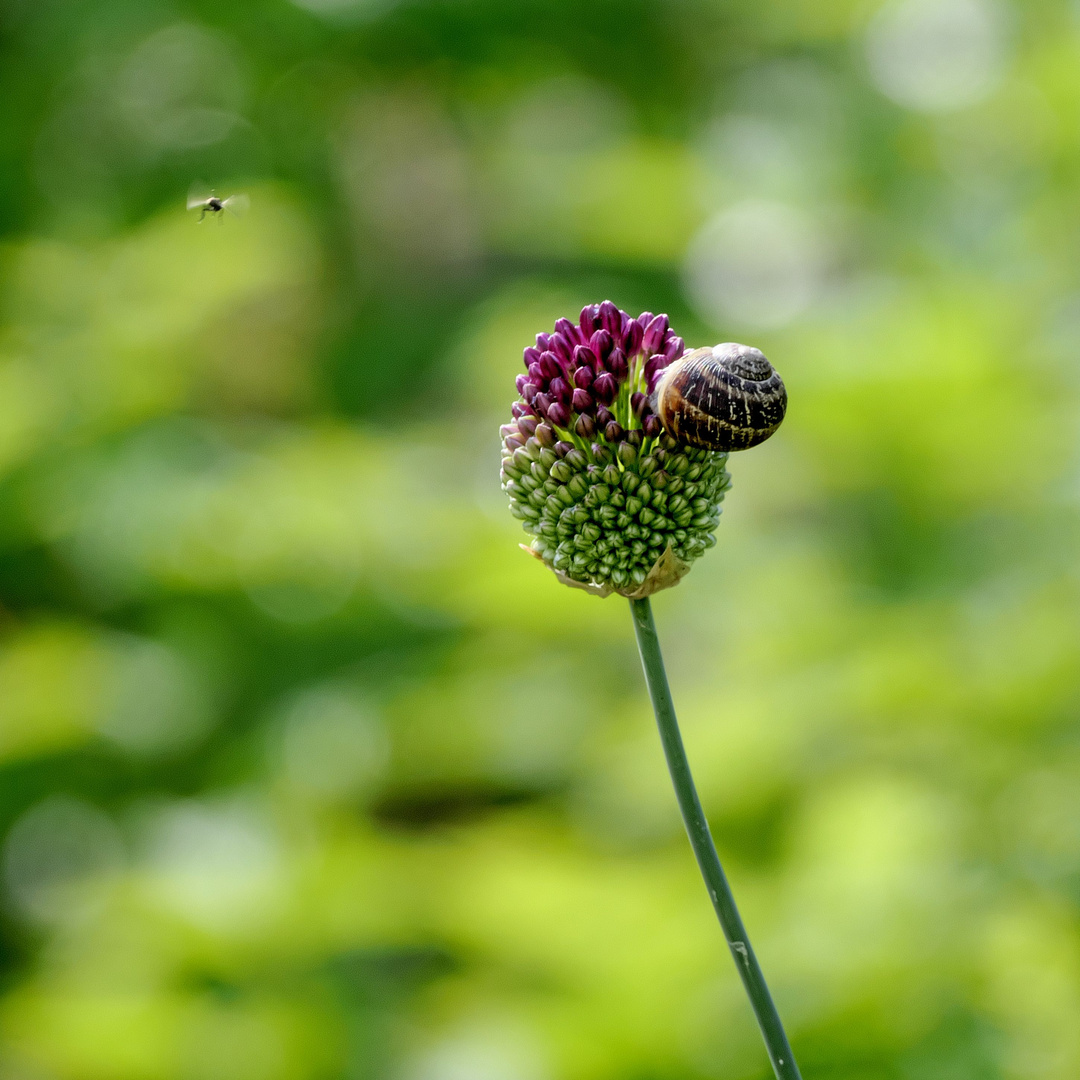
{"x":206,"y":202}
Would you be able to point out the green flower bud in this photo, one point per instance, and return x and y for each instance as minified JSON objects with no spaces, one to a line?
{"x":627,"y":454}
{"x":647,"y":466}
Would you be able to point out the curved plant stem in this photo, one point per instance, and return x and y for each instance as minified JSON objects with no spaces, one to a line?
{"x":701,"y":841}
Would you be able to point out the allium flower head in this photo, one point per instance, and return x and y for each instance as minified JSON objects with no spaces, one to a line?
{"x":613,"y":502}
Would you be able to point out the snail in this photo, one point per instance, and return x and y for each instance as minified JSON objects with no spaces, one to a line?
{"x":728,"y":397}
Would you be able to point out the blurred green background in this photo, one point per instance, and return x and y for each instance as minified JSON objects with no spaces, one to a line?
{"x":306,"y":771}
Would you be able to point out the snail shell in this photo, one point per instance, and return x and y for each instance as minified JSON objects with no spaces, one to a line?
{"x":728,"y":397}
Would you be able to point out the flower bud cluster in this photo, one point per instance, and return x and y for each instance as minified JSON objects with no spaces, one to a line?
{"x":600,"y":369}
{"x":592,"y":475}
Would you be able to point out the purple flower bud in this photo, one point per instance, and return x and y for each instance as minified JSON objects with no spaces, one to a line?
{"x":531,"y":355}
{"x":617,"y":365}
{"x":605,"y":388}
{"x":674,"y":348}
{"x":631,"y":341}
{"x":582,"y":401}
{"x":520,"y":382}
{"x":638,"y":404}
{"x":527,"y":425}
{"x":569,"y":331}
{"x":559,"y":389}
{"x":653,"y":341}
{"x":584,"y":356}
{"x":512,"y":443}
{"x":563,"y":448}
{"x":589,"y":318}
{"x":651,"y":426}
{"x":549,"y":365}
{"x":601,"y":343}
{"x":654,"y":364}
{"x":611,"y":318}
{"x":545,"y":434}
{"x":520,"y":409}
{"x":583,"y":377}
{"x":536,"y":374}
{"x":559,"y":414}
{"x":542,"y":402}
{"x":561,"y":348}
{"x":614,"y":432}
{"x":645,"y":318}
{"x":585,"y":426}
{"x":654,"y":379}
{"x":529,"y":391}
{"x":604,"y":416}
{"x":509,"y":429}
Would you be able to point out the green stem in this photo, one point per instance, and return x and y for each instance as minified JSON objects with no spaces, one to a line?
{"x":697,"y":828}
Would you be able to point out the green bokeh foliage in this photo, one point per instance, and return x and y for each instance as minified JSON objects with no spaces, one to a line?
{"x":306,"y":771}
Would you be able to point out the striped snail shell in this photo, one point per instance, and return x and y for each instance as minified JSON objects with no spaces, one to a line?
{"x":728,"y":397}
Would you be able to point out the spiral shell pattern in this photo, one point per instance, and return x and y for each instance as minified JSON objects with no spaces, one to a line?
{"x":728,"y":397}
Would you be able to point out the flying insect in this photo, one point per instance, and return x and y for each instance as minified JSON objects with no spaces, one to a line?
{"x":206,"y":202}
